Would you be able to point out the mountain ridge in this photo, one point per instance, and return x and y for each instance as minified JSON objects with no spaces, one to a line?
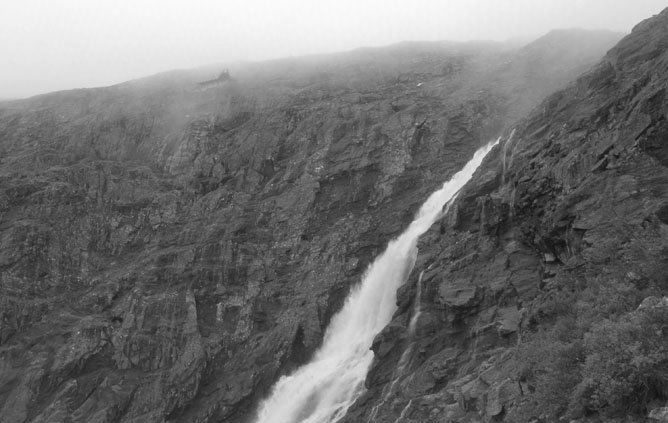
{"x":166,"y":252}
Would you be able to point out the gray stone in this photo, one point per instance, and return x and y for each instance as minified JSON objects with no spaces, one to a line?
{"x":659,"y":414}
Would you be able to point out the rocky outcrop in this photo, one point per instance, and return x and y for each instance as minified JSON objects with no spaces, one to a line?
{"x":167,"y":252}
{"x":543,"y":287}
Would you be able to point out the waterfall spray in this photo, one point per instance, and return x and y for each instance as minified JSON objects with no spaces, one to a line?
{"x":322,"y":390}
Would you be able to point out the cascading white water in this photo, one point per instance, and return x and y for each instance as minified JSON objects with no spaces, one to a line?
{"x":322,"y":390}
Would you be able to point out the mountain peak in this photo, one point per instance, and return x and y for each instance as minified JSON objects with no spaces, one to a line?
{"x":647,"y":40}
{"x":574,"y":39}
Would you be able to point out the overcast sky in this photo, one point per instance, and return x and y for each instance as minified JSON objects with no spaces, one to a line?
{"x":48,"y":45}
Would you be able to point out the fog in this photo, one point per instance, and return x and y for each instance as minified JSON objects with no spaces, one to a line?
{"x":52,"y":45}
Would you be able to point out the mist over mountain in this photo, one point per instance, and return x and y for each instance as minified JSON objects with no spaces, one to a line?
{"x":171,"y":246}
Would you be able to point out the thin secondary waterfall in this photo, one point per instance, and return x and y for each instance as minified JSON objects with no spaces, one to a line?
{"x":412,"y":326}
{"x":505,"y":153}
{"x":322,"y":390}
{"x":389,"y":389}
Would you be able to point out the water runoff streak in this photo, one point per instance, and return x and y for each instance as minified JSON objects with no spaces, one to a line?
{"x":321,"y":391}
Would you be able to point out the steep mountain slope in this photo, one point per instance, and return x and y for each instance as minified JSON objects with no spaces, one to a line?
{"x":168,"y":250}
{"x":544,"y":291}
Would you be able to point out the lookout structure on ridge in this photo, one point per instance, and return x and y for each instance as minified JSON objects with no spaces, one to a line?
{"x":224,"y":76}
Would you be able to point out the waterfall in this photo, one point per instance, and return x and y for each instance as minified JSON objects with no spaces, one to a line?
{"x":505,"y":153}
{"x":322,"y":390}
{"x":412,"y":326}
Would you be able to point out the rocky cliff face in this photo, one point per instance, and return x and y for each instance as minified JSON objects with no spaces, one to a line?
{"x":544,"y":290}
{"x":168,"y":250}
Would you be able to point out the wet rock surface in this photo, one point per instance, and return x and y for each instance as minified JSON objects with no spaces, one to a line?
{"x":168,"y":250}
{"x":558,"y":246}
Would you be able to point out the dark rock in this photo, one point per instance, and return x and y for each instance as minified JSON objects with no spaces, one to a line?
{"x":457,"y":294}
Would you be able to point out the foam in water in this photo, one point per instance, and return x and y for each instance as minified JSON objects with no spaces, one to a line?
{"x":322,"y":390}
